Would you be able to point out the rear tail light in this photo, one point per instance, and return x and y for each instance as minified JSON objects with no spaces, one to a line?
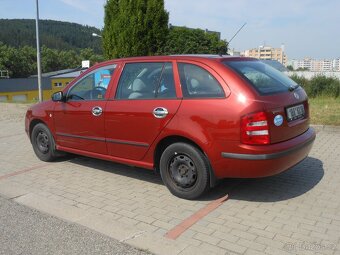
{"x":255,"y":129}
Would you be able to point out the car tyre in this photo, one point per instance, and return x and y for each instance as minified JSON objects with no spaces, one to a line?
{"x":43,"y":143}
{"x":185,"y":170}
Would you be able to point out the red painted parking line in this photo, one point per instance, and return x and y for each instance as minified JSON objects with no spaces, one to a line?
{"x":188,"y":222}
{"x":22,"y":171}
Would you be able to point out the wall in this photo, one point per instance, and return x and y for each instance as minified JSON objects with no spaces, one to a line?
{"x":27,"y":88}
{"x":309,"y":75}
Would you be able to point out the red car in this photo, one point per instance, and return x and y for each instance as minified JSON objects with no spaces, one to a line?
{"x":194,"y":119}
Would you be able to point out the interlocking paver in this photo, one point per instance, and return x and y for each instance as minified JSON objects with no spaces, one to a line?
{"x":295,"y":209}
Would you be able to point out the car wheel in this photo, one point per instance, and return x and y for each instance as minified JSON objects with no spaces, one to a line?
{"x":43,"y":143}
{"x":184,"y":170}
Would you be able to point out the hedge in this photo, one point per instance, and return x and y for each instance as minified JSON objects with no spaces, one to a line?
{"x":319,"y":85}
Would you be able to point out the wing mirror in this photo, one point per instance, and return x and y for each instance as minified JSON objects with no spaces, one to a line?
{"x":58,"y":97}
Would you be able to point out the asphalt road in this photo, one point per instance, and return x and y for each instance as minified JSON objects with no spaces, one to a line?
{"x":27,"y":231}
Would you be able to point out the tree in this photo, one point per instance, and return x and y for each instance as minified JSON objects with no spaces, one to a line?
{"x":182,"y":40}
{"x":19,"y":62}
{"x":53,"y":34}
{"x":290,"y":68}
{"x":134,"y":28}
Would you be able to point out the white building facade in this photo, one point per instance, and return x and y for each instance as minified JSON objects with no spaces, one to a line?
{"x":316,"y":65}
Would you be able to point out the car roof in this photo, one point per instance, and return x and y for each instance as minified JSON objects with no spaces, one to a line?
{"x":193,"y":57}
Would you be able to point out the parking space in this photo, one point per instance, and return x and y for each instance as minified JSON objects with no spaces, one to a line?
{"x":296,"y":212}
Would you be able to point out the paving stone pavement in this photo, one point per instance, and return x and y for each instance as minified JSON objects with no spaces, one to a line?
{"x":296,"y":212}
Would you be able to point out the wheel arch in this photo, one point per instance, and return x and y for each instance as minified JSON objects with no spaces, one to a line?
{"x":166,"y":141}
{"x":33,"y":123}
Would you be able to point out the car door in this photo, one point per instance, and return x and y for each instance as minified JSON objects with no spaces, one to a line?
{"x":79,"y":121}
{"x":145,"y":101}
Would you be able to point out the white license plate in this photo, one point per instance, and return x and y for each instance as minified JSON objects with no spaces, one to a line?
{"x":295,"y":112}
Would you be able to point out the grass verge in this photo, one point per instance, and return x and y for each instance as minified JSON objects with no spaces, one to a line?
{"x":325,"y":111}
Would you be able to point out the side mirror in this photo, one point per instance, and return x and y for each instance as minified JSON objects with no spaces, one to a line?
{"x":58,"y":97}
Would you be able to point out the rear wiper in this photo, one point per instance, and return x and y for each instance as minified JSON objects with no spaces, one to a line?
{"x":292,"y":88}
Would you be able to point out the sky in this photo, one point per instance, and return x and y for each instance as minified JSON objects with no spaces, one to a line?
{"x":307,"y":28}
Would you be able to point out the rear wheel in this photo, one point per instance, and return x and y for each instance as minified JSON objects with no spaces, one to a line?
{"x":185,"y":170}
{"x":43,"y":143}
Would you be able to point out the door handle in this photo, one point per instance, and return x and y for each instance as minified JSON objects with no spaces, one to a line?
{"x":97,"y":111}
{"x":160,"y":112}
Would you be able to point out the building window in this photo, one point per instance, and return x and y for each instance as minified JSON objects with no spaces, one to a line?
{"x":58,"y":84}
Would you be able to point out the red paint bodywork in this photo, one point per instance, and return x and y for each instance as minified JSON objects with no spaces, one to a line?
{"x":127,"y":132}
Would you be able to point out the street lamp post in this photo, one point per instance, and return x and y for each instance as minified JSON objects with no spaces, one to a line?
{"x":38,"y":53}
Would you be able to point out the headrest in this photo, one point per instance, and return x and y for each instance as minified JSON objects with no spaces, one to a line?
{"x":138,"y":85}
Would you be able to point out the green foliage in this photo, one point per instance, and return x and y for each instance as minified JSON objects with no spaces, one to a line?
{"x":182,"y":40}
{"x":134,"y":28}
{"x":21,"y":62}
{"x":53,"y":34}
{"x":290,"y":68}
{"x":319,"y":86}
{"x":64,"y":45}
{"x":302,"y":69}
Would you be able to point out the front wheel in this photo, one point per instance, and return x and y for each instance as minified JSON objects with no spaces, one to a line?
{"x":43,"y":143}
{"x":185,"y":170}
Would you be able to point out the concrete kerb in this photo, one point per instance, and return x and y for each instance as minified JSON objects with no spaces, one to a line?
{"x":100,"y":223}
{"x":326,"y":128}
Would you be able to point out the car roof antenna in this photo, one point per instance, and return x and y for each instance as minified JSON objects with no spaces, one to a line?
{"x":236,"y":34}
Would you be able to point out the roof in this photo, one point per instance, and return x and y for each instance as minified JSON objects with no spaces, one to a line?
{"x":68,"y":75}
{"x":175,"y":57}
{"x":59,"y":72}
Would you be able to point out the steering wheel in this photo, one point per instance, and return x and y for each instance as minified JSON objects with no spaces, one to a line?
{"x":98,"y":91}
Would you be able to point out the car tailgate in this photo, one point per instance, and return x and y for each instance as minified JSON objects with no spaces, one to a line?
{"x":293,"y":107}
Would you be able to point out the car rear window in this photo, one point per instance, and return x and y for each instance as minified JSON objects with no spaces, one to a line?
{"x":264,"y":78}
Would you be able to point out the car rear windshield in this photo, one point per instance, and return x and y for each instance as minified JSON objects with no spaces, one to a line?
{"x":264,"y":78}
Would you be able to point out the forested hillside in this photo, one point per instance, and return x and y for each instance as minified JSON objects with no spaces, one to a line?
{"x":53,"y":34}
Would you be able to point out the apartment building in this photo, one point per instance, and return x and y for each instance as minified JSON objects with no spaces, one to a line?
{"x":315,"y":65}
{"x":267,"y":53}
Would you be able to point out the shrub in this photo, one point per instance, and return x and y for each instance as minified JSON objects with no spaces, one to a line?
{"x":303,"y":82}
{"x":319,"y":85}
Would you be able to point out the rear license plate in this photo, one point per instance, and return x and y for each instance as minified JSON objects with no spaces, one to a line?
{"x":295,"y":112}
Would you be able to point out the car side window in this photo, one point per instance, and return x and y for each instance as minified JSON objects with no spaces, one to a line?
{"x":198,"y":83}
{"x":93,"y":86}
{"x":146,"y":81}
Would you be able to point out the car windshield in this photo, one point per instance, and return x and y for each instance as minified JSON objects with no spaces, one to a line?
{"x":264,"y":78}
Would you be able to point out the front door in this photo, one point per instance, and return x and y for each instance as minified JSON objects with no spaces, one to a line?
{"x":144,"y":104}
{"x":79,"y":122}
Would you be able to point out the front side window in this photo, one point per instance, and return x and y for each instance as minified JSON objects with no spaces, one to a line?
{"x":93,"y":86}
{"x":146,"y":81}
{"x":198,"y":83}
{"x":264,"y":78}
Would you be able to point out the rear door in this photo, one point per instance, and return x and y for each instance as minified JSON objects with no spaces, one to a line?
{"x":145,"y":101}
{"x":285,"y":103}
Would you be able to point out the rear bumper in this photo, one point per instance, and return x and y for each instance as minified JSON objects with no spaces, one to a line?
{"x":255,"y":161}
{"x":275,"y":155}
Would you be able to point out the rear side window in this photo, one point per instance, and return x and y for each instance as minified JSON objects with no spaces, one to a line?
{"x":264,"y":78}
{"x":198,"y":83}
{"x":146,"y":81}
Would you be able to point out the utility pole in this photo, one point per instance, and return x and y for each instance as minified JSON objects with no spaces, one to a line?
{"x":38,"y":53}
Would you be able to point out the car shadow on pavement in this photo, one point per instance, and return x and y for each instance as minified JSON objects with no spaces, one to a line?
{"x":292,"y":183}
{"x":116,"y":168}
{"x":289,"y":184}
